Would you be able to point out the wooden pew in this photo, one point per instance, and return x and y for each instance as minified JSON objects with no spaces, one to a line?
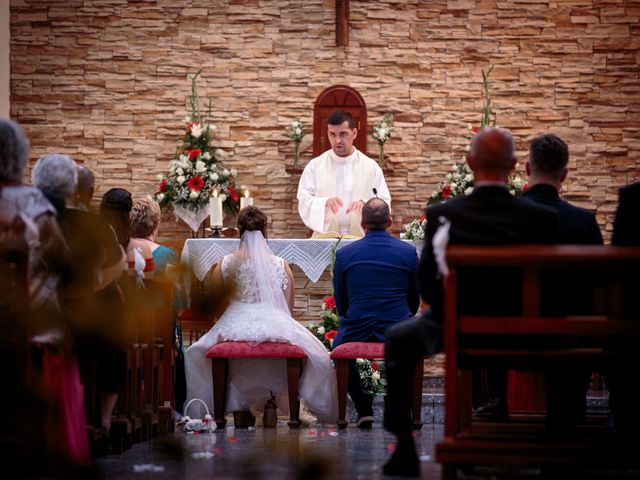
{"x":597,"y":341}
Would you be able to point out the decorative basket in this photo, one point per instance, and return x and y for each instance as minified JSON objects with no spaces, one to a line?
{"x":200,"y":425}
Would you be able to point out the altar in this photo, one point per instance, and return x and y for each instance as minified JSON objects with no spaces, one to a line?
{"x":313,"y":256}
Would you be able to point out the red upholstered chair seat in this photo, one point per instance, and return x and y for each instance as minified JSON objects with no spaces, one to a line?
{"x":352,"y":350}
{"x":222,"y":352}
{"x":358,"y":350}
{"x":248,"y":350}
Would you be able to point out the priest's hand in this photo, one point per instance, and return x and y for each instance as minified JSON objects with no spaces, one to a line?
{"x":334,"y":204}
{"x":355,"y":207}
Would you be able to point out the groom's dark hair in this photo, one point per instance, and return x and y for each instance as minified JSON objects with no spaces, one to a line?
{"x":375,"y":214}
{"x":250,"y":219}
{"x":339,"y":117}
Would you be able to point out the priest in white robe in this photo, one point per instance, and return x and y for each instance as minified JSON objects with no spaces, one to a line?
{"x":334,"y":186}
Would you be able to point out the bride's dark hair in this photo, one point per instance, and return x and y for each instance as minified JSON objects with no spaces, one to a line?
{"x":251,"y":218}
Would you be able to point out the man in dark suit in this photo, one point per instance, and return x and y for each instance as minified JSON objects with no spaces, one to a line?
{"x":562,"y":292}
{"x":490,"y":215}
{"x":626,"y":227}
{"x":375,"y":282}
{"x":623,"y":384}
{"x":547,"y":169}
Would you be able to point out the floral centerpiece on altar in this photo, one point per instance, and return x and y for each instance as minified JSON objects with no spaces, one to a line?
{"x":381,"y":133}
{"x":197,"y":171}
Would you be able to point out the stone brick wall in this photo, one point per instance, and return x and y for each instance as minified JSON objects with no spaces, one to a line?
{"x":106,"y":82}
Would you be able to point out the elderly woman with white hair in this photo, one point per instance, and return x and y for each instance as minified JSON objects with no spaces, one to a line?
{"x":57,"y":176}
{"x":26,"y":213}
{"x":90,"y":292}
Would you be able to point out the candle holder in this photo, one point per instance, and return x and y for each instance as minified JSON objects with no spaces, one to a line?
{"x":216,"y":232}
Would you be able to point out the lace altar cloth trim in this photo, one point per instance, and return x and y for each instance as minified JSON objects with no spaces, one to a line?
{"x":312,"y":256}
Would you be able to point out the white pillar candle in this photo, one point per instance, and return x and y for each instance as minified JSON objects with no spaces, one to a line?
{"x":215,"y":210}
{"x":246,"y":200}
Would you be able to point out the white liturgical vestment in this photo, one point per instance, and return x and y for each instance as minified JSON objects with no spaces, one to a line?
{"x":351,"y":178}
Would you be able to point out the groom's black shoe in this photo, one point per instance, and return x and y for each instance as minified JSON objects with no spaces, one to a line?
{"x":494,"y":410}
{"x":365,"y":423}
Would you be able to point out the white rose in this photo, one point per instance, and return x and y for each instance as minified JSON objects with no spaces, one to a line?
{"x":159,"y":177}
{"x":187,"y":119}
{"x":220,"y":153}
{"x":193,"y":194}
{"x":234,"y":172}
{"x":360,"y":361}
{"x":468,"y":178}
{"x":160,"y":197}
{"x":214,"y":176}
{"x":211,"y":127}
{"x":179,"y":171}
{"x":223,"y":197}
{"x":196,"y":130}
{"x":183,"y":157}
{"x":201,"y":166}
{"x":375,"y":376}
{"x":226,"y":172}
{"x":468,"y":191}
{"x":298,"y":131}
{"x":180,"y":179}
{"x":206,"y":156}
{"x":321,"y":330}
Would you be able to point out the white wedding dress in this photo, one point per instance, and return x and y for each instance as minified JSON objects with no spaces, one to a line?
{"x":254,"y":316}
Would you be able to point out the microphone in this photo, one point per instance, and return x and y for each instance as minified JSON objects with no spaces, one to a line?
{"x":375,"y":192}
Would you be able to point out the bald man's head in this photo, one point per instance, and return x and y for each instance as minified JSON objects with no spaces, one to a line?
{"x":375,"y":215}
{"x":491,"y":153}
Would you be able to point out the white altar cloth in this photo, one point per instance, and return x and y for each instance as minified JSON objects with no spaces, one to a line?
{"x":311,"y":255}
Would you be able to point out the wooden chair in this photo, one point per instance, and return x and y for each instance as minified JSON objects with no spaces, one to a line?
{"x":222,"y":352}
{"x":369,"y":350}
{"x":588,"y":341}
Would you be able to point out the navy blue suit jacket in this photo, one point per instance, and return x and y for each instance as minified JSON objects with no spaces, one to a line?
{"x":375,"y":282}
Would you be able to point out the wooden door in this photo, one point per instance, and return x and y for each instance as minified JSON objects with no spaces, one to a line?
{"x":338,"y":97}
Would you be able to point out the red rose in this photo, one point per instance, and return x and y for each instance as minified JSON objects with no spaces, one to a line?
{"x":330,"y":302}
{"x":475,"y":129}
{"x":192,"y":124}
{"x":330,"y":335}
{"x":374,"y":366}
{"x":423,"y":218}
{"x":233,"y":193}
{"x":193,"y":153}
{"x":446,"y":192}
{"x":195,"y":183}
{"x":526,"y":187}
{"x":163,"y":185}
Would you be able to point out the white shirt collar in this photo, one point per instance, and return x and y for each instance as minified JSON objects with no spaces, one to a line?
{"x":344,"y":160}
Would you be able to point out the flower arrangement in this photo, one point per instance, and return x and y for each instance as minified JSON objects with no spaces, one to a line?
{"x":197,"y":170}
{"x":460,"y":180}
{"x":382,"y":132}
{"x":295,"y":131}
{"x":414,"y":230}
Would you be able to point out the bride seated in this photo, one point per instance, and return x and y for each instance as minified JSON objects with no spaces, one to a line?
{"x":260,"y":311}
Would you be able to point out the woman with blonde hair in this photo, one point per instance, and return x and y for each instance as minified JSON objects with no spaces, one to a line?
{"x":144,"y":222}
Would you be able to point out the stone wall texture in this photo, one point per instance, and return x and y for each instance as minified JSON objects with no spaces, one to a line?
{"x":107,"y":81}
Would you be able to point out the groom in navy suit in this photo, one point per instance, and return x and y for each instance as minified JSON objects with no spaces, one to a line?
{"x":375,"y":282}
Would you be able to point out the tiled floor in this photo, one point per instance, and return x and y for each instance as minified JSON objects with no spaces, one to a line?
{"x":280,"y":453}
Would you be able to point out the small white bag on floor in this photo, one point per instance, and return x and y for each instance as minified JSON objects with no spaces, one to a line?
{"x":201,"y":425}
